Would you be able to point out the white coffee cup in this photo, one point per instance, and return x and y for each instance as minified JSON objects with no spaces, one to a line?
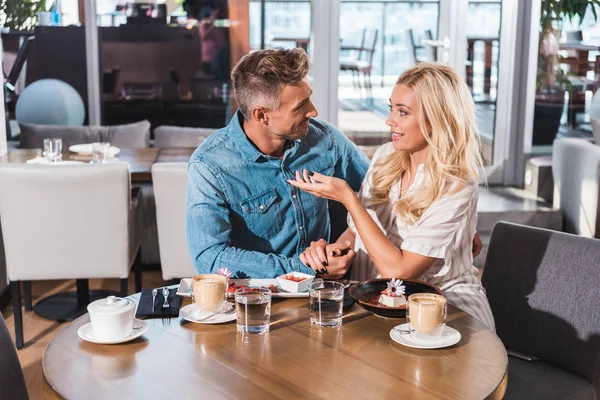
{"x":112,"y":318}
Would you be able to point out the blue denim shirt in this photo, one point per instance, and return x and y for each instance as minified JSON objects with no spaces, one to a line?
{"x":241,"y":212}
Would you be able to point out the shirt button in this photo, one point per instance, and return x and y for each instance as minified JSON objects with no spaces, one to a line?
{"x":293,"y":196}
{"x":261,"y":207}
{"x":300,"y":228}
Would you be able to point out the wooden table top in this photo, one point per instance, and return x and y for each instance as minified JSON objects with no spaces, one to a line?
{"x":140,"y":160}
{"x":175,"y":359}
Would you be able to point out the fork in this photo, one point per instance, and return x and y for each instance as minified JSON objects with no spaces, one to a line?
{"x":165,"y":293}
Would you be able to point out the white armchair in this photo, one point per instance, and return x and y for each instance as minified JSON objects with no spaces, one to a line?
{"x":170,"y":188}
{"x":67,"y":222}
{"x":576,"y":171}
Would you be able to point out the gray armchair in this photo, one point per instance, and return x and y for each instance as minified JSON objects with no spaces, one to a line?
{"x":12,"y":381}
{"x":576,"y":171}
{"x":544,"y":290}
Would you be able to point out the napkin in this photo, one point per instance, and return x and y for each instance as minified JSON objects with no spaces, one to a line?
{"x":145,"y":309}
{"x":38,"y":160}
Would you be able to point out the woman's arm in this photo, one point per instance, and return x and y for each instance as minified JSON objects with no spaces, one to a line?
{"x":389,"y":259}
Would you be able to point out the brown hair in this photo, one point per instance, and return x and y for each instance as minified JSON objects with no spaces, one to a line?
{"x":259,"y":77}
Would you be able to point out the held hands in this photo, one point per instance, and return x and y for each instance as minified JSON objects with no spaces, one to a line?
{"x":323,"y":186}
{"x":329,"y":260}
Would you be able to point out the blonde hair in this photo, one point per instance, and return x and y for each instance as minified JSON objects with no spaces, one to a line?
{"x":259,"y":77}
{"x":447,"y":119}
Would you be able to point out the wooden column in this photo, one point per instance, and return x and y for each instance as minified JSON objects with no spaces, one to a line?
{"x":81,"y":9}
{"x":239,"y":33}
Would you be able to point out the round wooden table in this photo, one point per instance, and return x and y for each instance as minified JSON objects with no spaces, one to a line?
{"x":178,"y":359}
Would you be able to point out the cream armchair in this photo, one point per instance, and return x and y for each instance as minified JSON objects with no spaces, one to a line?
{"x":67,"y":222}
{"x":170,"y":188}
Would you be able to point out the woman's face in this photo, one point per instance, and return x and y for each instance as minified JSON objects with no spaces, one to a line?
{"x":404,"y":120}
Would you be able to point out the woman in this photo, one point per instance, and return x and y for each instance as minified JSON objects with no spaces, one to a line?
{"x":416,"y":213}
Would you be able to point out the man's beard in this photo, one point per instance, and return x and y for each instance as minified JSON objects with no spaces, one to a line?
{"x":296,"y":135}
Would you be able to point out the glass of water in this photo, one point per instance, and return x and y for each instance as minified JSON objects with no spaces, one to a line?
{"x":326,"y":302}
{"x":253,"y":308}
{"x":99,"y":151}
{"x":53,"y":149}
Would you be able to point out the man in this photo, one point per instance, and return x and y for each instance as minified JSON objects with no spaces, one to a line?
{"x":241,"y":212}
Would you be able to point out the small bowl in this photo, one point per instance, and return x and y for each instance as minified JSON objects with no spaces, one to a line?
{"x":364,"y":293}
{"x":292,"y":286}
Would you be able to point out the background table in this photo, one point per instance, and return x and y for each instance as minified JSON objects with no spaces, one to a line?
{"x":140,"y":160}
{"x":182,"y":360}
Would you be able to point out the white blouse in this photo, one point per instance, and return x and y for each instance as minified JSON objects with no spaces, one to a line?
{"x":445,"y":230}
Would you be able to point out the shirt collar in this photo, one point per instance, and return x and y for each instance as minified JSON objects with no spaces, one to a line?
{"x":245,"y":145}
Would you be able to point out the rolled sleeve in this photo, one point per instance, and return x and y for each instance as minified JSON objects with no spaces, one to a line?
{"x":208,"y":226}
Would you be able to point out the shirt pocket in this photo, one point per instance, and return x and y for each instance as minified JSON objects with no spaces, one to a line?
{"x":262,"y":213}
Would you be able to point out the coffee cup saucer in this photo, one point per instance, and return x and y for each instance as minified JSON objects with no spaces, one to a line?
{"x":449,"y":336}
{"x":139,"y":328}
{"x":192,"y":313}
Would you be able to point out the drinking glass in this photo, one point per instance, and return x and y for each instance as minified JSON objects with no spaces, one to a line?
{"x":253,"y":306}
{"x":326,"y":302}
{"x":53,"y":149}
{"x":99,"y":151}
{"x":426,"y":313}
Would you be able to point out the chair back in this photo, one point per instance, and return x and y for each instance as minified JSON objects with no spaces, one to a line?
{"x":576,"y":171}
{"x":175,"y":136}
{"x":543,"y":287}
{"x":65,"y":221}
{"x":12,"y":381}
{"x":170,"y":190}
{"x":135,"y":135}
{"x":370,"y":44}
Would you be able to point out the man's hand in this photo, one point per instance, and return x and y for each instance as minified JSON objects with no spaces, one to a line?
{"x":477,"y":245}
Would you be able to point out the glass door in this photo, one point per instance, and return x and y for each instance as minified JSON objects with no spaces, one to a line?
{"x":393,"y":35}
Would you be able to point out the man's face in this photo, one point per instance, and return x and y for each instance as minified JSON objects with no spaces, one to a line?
{"x":290,"y":121}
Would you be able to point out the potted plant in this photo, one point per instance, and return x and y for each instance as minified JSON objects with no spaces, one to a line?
{"x":20,"y":14}
{"x":552,"y":82}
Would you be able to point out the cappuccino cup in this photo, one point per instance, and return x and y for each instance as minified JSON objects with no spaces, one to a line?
{"x":426,"y":313}
{"x":208,"y":291}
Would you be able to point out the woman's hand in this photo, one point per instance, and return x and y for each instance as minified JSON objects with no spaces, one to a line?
{"x":329,"y":260}
{"x":323,"y":186}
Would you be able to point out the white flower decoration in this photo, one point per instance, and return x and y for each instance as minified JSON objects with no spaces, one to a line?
{"x":224,"y":271}
{"x":395,"y":288}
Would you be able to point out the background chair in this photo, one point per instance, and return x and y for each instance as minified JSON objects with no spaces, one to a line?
{"x":136,"y":135}
{"x":175,"y":136}
{"x":543,"y":287}
{"x":67,"y":222}
{"x":364,"y":61}
{"x":12,"y":381}
{"x":419,"y":52}
{"x":576,"y":171}
{"x":170,"y":190}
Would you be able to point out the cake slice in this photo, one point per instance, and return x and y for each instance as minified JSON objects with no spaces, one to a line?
{"x":393,"y":296}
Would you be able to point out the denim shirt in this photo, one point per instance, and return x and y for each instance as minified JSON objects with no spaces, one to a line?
{"x":241,"y":212}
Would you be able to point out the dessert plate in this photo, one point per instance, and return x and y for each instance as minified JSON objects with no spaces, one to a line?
{"x":400,"y":334}
{"x":367,"y":293}
{"x":192,"y":313}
